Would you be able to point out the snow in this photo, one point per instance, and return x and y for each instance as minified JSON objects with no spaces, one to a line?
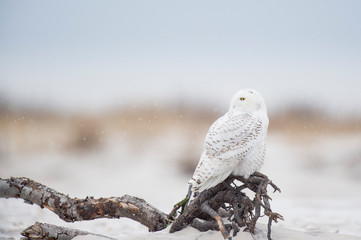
{"x":190,"y":233}
{"x":320,"y":186}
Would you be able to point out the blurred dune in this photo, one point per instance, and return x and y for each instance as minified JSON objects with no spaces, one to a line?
{"x":298,"y":120}
{"x":33,"y":130}
{"x":24,"y":131}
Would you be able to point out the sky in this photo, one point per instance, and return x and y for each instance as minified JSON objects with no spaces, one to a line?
{"x":96,"y":54}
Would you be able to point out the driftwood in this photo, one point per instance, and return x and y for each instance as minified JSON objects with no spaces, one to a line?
{"x":74,"y":209}
{"x":238,"y":207}
{"x":50,"y":232}
{"x":205,"y":212}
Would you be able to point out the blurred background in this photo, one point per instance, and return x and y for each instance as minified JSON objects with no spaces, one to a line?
{"x":105,"y":98}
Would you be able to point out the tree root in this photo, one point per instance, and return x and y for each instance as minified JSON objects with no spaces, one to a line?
{"x":241,"y":210}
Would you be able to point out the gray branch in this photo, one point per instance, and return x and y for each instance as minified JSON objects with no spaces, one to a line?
{"x":74,"y":209}
{"x":50,"y":232}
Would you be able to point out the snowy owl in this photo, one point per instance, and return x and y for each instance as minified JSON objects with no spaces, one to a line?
{"x":235,"y":143}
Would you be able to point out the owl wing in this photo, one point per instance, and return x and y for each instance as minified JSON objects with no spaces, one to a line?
{"x":232,"y":135}
{"x":228,"y":139}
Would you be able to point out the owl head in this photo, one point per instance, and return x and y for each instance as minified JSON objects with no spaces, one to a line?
{"x":248,"y":100}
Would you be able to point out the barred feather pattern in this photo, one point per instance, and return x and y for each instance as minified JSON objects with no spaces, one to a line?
{"x":235,"y":144}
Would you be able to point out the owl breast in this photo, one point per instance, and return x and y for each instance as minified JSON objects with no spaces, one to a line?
{"x":253,"y":160}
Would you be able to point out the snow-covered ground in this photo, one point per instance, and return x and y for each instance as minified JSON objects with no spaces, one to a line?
{"x":320,"y":181}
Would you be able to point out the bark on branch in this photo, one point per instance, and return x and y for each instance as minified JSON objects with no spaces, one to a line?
{"x":50,"y":232}
{"x":74,"y":209}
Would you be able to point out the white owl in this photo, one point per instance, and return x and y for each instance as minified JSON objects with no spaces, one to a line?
{"x":235,"y":143}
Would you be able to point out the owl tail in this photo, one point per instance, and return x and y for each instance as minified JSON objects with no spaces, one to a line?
{"x":213,"y":181}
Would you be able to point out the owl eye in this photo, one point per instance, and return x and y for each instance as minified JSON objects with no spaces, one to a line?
{"x":242,"y":98}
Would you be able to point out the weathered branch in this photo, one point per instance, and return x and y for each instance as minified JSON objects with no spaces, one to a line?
{"x":207,"y":209}
{"x":51,"y":232}
{"x":73,"y":209}
{"x":193,"y":210}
